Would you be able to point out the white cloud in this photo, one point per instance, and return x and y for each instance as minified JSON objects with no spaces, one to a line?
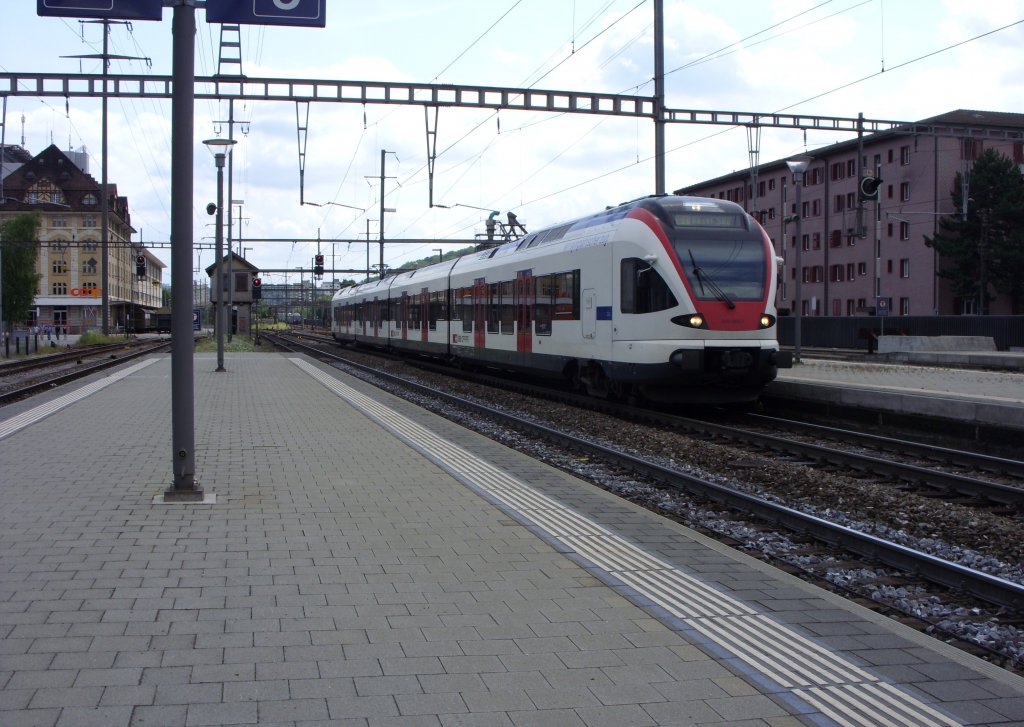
{"x":547,"y":168}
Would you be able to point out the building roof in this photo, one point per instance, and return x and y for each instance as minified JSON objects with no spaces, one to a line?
{"x":54,"y":166}
{"x":964,"y":119}
{"x":236,"y":260}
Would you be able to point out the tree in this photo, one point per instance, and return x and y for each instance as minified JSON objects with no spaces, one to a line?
{"x":984,"y":250}
{"x":19,"y":236}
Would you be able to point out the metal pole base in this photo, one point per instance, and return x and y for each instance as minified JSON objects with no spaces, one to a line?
{"x":180,"y":494}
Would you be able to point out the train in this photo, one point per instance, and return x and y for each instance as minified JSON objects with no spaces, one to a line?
{"x":665,"y":298}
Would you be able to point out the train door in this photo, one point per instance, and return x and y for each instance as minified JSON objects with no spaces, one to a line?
{"x":524,"y":311}
{"x":588,"y":313}
{"x":479,"y":313}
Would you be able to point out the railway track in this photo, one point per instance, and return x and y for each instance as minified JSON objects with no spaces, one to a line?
{"x":982,"y":585}
{"x":18,"y":382}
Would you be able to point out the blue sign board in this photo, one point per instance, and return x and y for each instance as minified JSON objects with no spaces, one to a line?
{"x":308,"y":13}
{"x":196,"y":322}
{"x":127,"y":9}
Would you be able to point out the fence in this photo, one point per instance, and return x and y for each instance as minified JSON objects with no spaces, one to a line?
{"x":854,"y":332}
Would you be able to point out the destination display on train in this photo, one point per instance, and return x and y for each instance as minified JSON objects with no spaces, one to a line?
{"x":707,"y":219}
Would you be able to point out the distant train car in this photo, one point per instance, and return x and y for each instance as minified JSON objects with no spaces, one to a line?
{"x":665,"y":298}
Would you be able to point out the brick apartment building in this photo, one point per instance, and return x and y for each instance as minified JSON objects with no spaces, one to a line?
{"x":843,"y":273}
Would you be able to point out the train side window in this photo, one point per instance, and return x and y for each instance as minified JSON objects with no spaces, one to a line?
{"x":544,"y":286}
{"x":567,"y":296}
{"x":466,"y":303}
{"x":414,"y":312}
{"x":643,"y":288}
{"x":493,"y":308}
{"x":508,"y":308}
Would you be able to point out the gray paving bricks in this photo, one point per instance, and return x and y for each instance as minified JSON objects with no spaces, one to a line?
{"x":343,"y":578}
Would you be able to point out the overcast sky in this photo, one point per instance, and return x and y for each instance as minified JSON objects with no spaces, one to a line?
{"x":888,"y":59}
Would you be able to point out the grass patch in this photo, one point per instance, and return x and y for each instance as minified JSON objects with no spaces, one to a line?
{"x":239,"y":343}
{"x":91,"y":338}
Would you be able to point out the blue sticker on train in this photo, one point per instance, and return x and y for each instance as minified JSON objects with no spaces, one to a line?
{"x":604,"y":312}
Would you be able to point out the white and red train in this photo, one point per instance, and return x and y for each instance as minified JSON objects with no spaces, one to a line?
{"x":665,"y":298}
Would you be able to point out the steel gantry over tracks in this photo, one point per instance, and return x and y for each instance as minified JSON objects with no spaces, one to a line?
{"x":454,"y":96}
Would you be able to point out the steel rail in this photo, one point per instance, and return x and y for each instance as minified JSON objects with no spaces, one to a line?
{"x":61,"y":356}
{"x":67,"y":377}
{"x":975,"y":460}
{"x":951,"y":575}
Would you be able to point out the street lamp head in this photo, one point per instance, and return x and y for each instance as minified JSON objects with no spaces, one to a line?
{"x":798,"y":165}
{"x":218,"y":147}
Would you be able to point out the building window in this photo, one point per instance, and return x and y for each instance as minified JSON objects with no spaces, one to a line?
{"x":816,"y":208}
{"x":805,"y":210}
{"x":771,"y":184}
{"x":904,"y":306}
{"x":904,"y":230}
{"x":58,"y":289}
{"x":58,"y":221}
{"x":905,"y":191}
{"x":90,"y":246}
{"x":862,"y":268}
{"x":851,"y":200}
{"x":805,"y":242}
{"x":835,"y":238}
{"x":851,"y":168}
{"x":89,"y":199}
{"x":905,"y":155}
{"x":59,"y":267}
{"x":88,"y":220}
{"x":888,"y":230}
{"x":89,"y":286}
{"x":837,"y":203}
{"x":851,"y":306}
{"x":970,"y":149}
{"x":890,"y":156}
{"x":241,"y":282}
{"x":771,"y":213}
{"x":836,"y":171}
{"x":905,"y":268}
{"x":835,"y":273}
{"x":89,"y":266}
{"x":816,"y":240}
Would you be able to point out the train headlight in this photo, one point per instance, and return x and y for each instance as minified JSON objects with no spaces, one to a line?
{"x":693,"y":320}
{"x":767,"y":321}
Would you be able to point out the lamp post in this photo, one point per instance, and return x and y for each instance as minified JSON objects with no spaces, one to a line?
{"x":216,"y":147}
{"x":440,"y":254}
{"x":798,"y":166}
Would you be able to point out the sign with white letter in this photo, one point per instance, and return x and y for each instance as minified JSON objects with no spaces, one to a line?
{"x":307,"y":13}
{"x":127,"y":9}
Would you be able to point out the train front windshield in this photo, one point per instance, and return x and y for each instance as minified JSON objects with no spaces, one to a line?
{"x":721,"y":255}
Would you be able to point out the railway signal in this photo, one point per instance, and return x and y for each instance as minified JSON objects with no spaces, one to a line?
{"x":318,"y":265}
{"x":140,"y":265}
{"x":869,"y":187}
{"x":257,"y":288}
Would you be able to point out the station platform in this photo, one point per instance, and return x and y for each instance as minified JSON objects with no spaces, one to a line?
{"x":365,"y":562}
{"x":981,"y":397}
